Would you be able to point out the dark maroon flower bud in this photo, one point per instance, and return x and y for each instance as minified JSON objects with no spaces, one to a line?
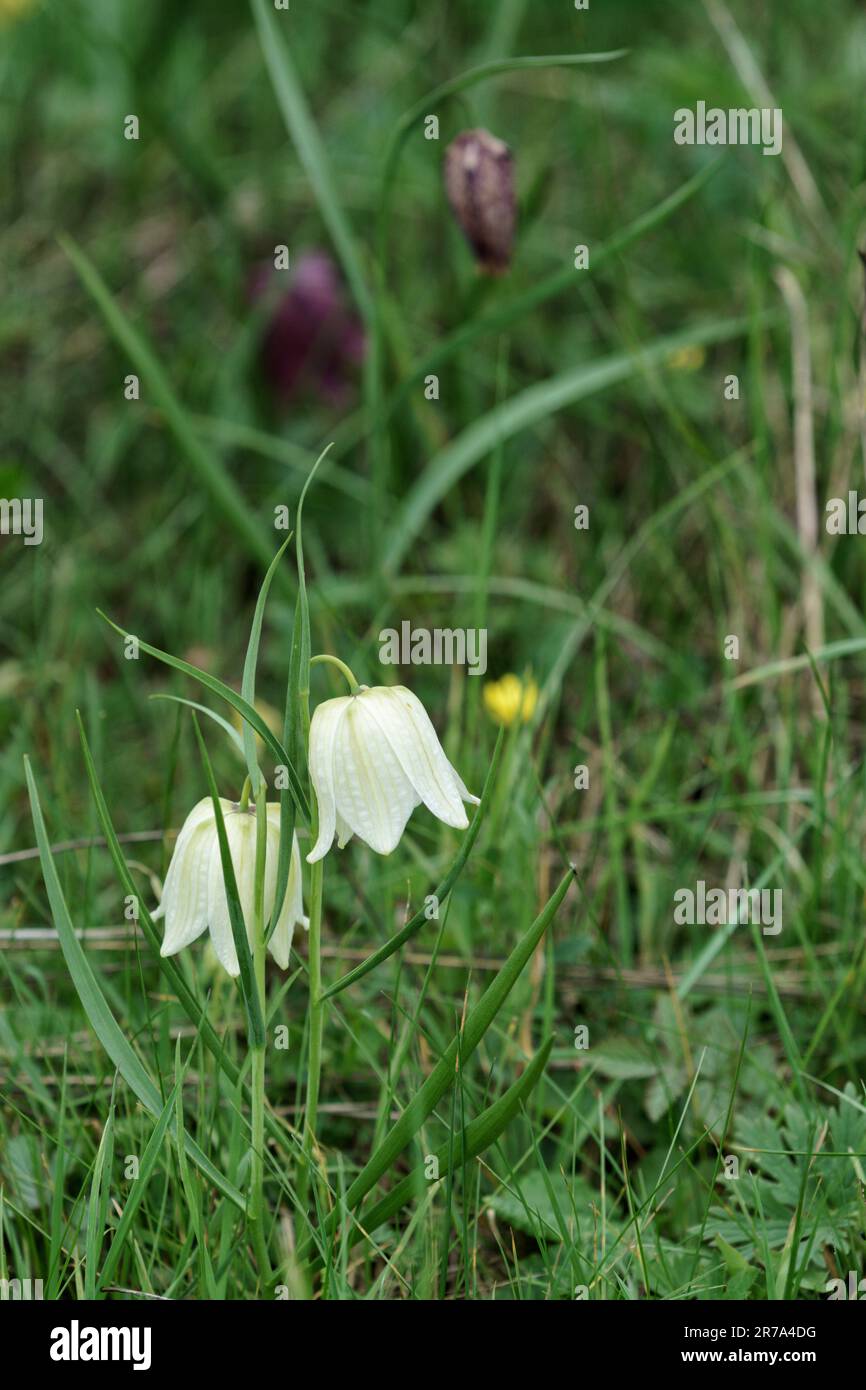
{"x":479,"y":181}
{"x":312,"y":341}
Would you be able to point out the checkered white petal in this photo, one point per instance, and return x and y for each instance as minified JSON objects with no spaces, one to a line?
{"x":241,"y":836}
{"x":417,"y":748}
{"x":324,"y":727}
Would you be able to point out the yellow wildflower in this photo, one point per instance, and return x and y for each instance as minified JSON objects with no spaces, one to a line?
{"x":511,"y":698}
{"x":687,"y":359}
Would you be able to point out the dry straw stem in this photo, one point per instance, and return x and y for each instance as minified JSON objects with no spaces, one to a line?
{"x":804,"y":460}
{"x":756,"y":85}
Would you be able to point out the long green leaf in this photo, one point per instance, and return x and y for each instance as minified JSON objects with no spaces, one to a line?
{"x":297,"y":693}
{"x":225,"y":692}
{"x":522,"y":411}
{"x":466,"y":1144}
{"x":247,"y":977}
{"x":217,"y":482}
{"x":414,"y":925}
{"x":149,"y":1158}
{"x":96,"y":1006}
{"x":310,"y":148}
{"x":232,"y":733}
{"x":248,"y":680}
{"x":443,"y":1074}
{"x":193,"y":1196}
{"x":100,"y":1188}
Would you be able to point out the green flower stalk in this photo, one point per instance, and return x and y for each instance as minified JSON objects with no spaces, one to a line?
{"x":195,"y":898}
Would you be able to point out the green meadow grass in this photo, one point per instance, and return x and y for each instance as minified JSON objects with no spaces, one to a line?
{"x":566,"y":1170}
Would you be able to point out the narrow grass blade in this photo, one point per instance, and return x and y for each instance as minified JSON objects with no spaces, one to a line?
{"x":58,"y":1189}
{"x":96,"y":1006}
{"x":467,"y":1144}
{"x":414,"y":925}
{"x":311,"y":150}
{"x":191,"y":1193}
{"x":249,"y":991}
{"x":443,"y":1074}
{"x":558,"y":283}
{"x":207,"y":467}
{"x":148,"y":1162}
{"x":528,"y":408}
{"x":248,"y":680}
{"x":464,"y":80}
{"x":98,"y":1204}
{"x":225,"y":692}
{"x":228,"y":729}
{"x":297,"y":699}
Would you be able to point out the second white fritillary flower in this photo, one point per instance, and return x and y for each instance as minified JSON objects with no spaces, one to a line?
{"x":194,"y":896}
{"x":374,"y":756}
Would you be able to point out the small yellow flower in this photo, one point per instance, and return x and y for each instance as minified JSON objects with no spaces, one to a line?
{"x":510,"y":698}
{"x":687,"y":359}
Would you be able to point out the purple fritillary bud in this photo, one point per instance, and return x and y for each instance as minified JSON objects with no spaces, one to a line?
{"x":313,"y":340}
{"x":479,"y":181}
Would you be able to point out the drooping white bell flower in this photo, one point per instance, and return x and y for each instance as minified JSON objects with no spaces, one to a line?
{"x":194,"y":896}
{"x":374,"y":756}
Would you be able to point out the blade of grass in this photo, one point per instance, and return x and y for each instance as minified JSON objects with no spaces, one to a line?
{"x":96,"y":1006}
{"x":527,"y":408}
{"x":467,"y":1144}
{"x":207,"y":467}
{"x":149,"y":1158}
{"x":225,"y":692}
{"x":252,"y":1002}
{"x":98,"y":1204}
{"x":414,"y":925}
{"x":310,"y":148}
{"x":224,"y":724}
{"x":248,"y":679}
{"x":297,"y":691}
{"x":442,"y":1075}
{"x":192,"y":1195}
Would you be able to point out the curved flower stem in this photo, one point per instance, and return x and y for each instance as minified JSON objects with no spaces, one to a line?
{"x":245,"y":798}
{"x":255,"y":1207}
{"x":341,"y":666}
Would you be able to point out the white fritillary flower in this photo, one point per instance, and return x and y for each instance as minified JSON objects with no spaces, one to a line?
{"x":194,"y":896}
{"x":374,"y":756}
